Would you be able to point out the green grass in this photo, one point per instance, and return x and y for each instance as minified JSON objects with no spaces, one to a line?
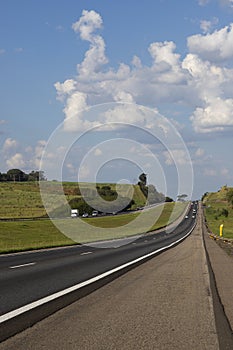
{"x":36,"y":234}
{"x":214,"y":203}
{"x":27,"y":235}
{"x":23,"y":199}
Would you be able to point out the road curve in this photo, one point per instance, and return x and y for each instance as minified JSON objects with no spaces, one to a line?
{"x":32,"y":278}
{"x":165,"y":303}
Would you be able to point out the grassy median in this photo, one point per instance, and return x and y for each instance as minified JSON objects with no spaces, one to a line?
{"x":37,"y":234}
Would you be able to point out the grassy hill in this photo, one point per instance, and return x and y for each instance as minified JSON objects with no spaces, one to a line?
{"x":23,"y":200}
{"x":216,"y":205}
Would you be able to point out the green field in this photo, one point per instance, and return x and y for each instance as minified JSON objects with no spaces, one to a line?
{"x":215,"y":203}
{"x":35,"y":234}
{"x":23,"y":200}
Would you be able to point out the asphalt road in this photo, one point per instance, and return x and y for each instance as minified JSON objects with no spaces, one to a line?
{"x":30,"y":277}
{"x":165,"y":303}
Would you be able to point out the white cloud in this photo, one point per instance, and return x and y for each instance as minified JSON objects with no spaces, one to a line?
{"x":210,"y":172}
{"x":16,"y":161}
{"x":203,"y":2}
{"x":228,"y":3}
{"x":199,"y":152}
{"x":199,"y":80}
{"x":217,"y":46}
{"x":9,"y":144}
{"x":176,"y":155}
{"x":65,"y":88}
{"x":217,"y":115}
{"x":206,"y":26}
{"x":98,"y":152}
{"x":87,"y":24}
{"x":95,"y":57}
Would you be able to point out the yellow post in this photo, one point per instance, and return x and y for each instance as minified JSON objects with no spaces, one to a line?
{"x":221,"y":230}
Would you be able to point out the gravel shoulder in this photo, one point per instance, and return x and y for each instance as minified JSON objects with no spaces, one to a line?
{"x":221,"y":260}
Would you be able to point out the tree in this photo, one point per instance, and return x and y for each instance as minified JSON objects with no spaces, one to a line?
{"x":182,"y":197}
{"x":143,"y":179}
{"x":16,"y":175}
{"x":168,"y":199}
{"x":36,"y":176}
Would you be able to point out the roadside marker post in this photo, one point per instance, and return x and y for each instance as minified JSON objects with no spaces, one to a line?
{"x":221,"y":230}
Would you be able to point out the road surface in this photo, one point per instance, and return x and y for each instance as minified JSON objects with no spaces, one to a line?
{"x":165,"y":303}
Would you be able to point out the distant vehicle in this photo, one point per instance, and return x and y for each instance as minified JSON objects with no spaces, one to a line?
{"x":95,"y":213}
{"x":186,"y":217}
{"x":85,"y":215}
{"x":194,"y":210}
{"x":74,"y":213}
{"x":193,"y":216}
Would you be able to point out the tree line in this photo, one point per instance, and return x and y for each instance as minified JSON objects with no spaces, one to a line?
{"x":17,"y":175}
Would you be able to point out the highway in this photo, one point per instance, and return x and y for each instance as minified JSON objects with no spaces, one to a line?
{"x":35,"y":284}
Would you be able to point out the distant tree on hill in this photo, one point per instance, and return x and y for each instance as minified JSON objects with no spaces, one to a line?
{"x":168,"y":199}
{"x":36,"y":176}
{"x":17,"y":175}
{"x":182,"y":197}
{"x":143,"y":179}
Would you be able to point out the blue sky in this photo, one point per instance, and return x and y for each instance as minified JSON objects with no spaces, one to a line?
{"x":174,"y":57}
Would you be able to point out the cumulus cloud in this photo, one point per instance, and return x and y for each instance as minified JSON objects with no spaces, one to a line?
{"x":176,"y":154}
{"x":9,"y":144}
{"x":217,"y":46}
{"x":217,"y":115}
{"x":200,"y":80}
{"x":16,"y":161}
{"x":65,"y":88}
{"x":207,"y":26}
{"x":95,"y":57}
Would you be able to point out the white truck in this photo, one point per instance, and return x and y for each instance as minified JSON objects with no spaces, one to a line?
{"x":74,"y":213}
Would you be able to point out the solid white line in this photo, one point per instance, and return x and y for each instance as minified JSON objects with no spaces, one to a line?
{"x":23,"y":265}
{"x":28,"y":307}
{"x":86,"y":253}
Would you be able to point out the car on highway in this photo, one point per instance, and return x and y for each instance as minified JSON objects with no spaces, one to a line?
{"x":85,"y":215}
{"x":186,"y":217}
{"x":95,"y":213}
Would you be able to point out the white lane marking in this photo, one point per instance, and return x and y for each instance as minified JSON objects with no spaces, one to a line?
{"x":33,"y":305}
{"x":23,"y":265}
{"x":85,"y":253}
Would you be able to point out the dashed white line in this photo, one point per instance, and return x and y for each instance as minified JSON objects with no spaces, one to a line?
{"x":85,"y":253}
{"x":37,"y":303}
{"x":23,"y":265}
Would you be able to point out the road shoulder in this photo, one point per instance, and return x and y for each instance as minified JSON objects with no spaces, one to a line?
{"x":222,"y":266}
